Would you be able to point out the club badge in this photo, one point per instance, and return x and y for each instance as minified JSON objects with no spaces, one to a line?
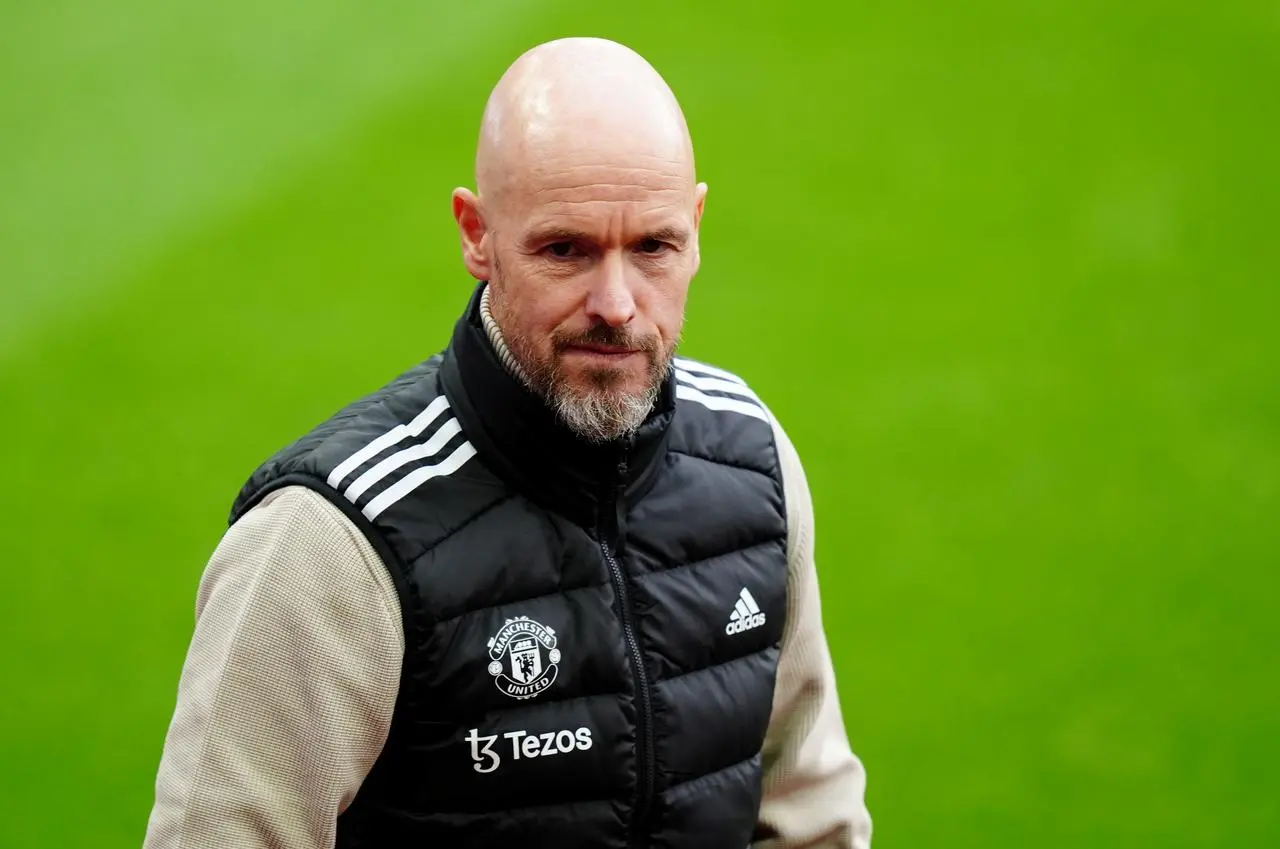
{"x":523,"y":658}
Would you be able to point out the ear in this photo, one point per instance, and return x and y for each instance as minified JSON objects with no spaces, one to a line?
{"x":699,"y":204}
{"x":476,"y":245}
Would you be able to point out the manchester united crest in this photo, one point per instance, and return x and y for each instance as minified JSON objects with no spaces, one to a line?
{"x":523,"y":658}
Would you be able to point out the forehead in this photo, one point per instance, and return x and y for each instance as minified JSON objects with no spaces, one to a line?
{"x":642,"y":189}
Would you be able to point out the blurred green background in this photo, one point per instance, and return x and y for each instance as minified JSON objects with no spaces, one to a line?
{"x":1007,"y":272}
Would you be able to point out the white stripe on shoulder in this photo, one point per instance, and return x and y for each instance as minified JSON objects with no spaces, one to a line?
{"x":716,"y":384}
{"x":399,"y":433}
{"x":417,"y":478}
{"x":702,"y":368}
{"x":425,"y":450}
{"x":715,"y":402}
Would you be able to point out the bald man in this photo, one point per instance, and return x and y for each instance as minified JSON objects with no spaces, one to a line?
{"x":552,"y":587}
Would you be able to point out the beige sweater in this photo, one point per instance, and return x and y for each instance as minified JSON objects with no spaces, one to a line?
{"x":290,"y":680}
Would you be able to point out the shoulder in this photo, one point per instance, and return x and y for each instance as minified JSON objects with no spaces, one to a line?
{"x":722,"y":397}
{"x":719,"y":411}
{"x":410,"y":408}
{"x":379,"y":463}
{"x":295,"y":522}
{"x":296,"y":539}
{"x":716,"y":389}
{"x":348,"y":456}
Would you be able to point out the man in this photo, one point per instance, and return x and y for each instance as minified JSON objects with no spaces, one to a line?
{"x":554,"y":586}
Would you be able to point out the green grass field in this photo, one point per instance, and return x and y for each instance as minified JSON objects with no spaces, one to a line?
{"x":1006,"y":271}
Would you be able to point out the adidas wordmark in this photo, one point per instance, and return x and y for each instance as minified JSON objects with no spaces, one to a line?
{"x":746,"y":614}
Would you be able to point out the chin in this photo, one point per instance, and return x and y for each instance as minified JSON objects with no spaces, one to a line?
{"x":613,"y":379}
{"x":601,"y":412}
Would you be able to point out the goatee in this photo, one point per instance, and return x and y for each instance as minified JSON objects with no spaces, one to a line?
{"x":602,"y":410}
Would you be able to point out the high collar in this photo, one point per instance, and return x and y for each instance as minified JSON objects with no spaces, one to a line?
{"x":522,"y":439}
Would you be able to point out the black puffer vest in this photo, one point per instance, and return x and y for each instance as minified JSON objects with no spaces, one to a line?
{"x":591,"y":632}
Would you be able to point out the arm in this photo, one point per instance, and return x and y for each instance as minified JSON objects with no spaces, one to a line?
{"x":289,"y":684}
{"x":814,"y":785}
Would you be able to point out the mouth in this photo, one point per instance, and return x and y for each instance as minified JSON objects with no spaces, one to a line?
{"x":611,"y":353}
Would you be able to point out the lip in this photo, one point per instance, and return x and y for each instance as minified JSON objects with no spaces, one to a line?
{"x":603,"y":351}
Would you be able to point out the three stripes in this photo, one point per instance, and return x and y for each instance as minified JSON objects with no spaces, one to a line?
{"x":393,"y":462}
{"x":711,"y":387}
{"x":696,"y":382}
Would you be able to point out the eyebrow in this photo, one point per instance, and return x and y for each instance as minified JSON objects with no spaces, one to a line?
{"x":677,"y":236}
{"x":551,"y":235}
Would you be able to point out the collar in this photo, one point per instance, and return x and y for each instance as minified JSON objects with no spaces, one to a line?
{"x":519,"y":437}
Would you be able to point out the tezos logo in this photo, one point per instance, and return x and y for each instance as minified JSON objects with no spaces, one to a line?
{"x":524,"y":658}
{"x":525,"y":744}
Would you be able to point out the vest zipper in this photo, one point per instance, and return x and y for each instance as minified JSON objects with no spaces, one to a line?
{"x":609,"y":542}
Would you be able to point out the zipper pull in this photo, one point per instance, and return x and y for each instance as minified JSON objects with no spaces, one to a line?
{"x":624,"y":458}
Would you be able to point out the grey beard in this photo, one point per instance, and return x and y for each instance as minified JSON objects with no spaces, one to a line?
{"x":600,"y":415}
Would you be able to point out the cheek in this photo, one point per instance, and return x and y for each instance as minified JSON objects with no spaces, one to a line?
{"x":533,"y":328}
{"x":667,"y":304}
{"x":536,"y":304}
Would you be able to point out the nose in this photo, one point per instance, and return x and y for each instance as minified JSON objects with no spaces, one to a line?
{"x":611,"y":299}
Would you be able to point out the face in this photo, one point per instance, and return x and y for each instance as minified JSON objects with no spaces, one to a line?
{"x":590,"y":269}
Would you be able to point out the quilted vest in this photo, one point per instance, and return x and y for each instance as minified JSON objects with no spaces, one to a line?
{"x":591,"y":630}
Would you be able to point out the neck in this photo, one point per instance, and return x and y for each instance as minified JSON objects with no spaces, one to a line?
{"x":500,"y":346}
{"x":523,"y":439}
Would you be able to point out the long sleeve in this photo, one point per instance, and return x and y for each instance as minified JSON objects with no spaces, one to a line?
{"x":814,"y":785}
{"x":288,"y":687}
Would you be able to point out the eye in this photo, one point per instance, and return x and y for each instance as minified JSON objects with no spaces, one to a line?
{"x":561,"y":250}
{"x":651,"y":246}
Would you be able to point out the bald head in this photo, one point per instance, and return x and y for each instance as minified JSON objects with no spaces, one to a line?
{"x":578,"y":101}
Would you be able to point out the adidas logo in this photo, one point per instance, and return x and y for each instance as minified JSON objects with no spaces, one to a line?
{"x":746,"y":614}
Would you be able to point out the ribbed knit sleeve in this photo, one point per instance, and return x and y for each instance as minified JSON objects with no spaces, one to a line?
{"x":288,"y":687}
{"x":814,"y":784}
